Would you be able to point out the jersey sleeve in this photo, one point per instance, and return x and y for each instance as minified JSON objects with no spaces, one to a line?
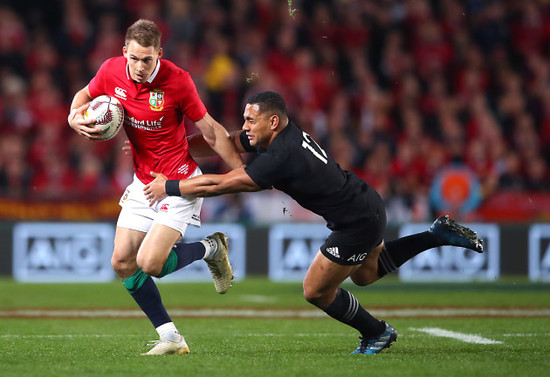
{"x":96,"y":86}
{"x":267,"y":170}
{"x":192,"y":105}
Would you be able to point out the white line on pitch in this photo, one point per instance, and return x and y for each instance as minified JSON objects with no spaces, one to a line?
{"x":468,"y":338}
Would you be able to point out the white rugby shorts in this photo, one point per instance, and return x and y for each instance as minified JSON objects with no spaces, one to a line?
{"x":173,"y":211}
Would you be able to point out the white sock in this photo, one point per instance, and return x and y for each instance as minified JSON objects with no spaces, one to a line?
{"x":211,"y":247}
{"x":168,"y":331}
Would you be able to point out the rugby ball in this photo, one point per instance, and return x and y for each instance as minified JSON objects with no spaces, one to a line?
{"x":108,"y":114}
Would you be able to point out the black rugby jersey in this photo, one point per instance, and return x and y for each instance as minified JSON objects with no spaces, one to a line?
{"x":295,"y":164}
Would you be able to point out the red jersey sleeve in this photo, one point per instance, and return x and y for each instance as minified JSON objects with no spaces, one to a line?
{"x":97,"y":83}
{"x":192,"y":105}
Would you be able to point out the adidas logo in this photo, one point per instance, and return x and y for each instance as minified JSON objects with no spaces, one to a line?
{"x":333,"y":251}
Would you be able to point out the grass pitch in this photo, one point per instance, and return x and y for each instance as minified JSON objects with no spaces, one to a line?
{"x":96,"y":330}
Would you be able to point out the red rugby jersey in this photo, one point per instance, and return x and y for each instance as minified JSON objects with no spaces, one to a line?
{"x":153,"y":115}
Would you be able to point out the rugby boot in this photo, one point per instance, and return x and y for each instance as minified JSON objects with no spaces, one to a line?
{"x":451,"y":233}
{"x":167,"y":347}
{"x":370,"y":346}
{"x":218,"y":263}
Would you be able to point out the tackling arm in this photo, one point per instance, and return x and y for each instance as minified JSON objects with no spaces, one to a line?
{"x":203,"y":186}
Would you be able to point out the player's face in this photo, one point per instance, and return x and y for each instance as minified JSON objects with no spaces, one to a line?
{"x":142,"y":61}
{"x":257,"y":126}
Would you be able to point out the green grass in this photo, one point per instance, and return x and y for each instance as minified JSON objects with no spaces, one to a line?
{"x":236,"y":347}
{"x":388,"y":292}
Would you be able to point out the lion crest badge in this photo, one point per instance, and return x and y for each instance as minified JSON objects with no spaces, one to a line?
{"x":156,"y":100}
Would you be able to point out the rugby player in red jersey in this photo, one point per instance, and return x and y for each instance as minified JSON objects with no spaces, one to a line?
{"x":156,"y":95}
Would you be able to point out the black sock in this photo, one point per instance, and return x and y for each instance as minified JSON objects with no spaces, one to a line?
{"x":181,"y":255}
{"x":148,"y":299}
{"x":188,"y":253}
{"x":396,"y":252}
{"x":346,"y":309}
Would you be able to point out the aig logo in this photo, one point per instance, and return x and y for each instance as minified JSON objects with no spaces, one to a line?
{"x":450,"y":263}
{"x":539,"y":252}
{"x":292,"y":248}
{"x":63,"y":252}
{"x":357,"y":257}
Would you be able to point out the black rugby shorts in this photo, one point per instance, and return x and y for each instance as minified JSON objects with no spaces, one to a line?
{"x":351,"y":247}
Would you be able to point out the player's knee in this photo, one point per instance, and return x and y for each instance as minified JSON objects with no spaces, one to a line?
{"x":311,"y":298}
{"x":121,"y":266}
{"x":149,"y":265}
{"x":314,"y":296}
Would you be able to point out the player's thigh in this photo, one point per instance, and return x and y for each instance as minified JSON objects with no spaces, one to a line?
{"x":156,"y":246}
{"x":126,"y":246}
{"x":323,"y":279}
{"x":367,"y":272}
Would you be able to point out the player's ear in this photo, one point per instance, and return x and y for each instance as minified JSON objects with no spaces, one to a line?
{"x":124,"y":50}
{"x":273,"y":121}
{"x":160,"y":53}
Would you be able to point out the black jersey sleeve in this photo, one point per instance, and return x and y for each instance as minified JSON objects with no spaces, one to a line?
{"x":267,"y":170}
{"x":259,"y":169}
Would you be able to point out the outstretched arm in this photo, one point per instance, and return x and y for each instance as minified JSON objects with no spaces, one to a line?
{"x":204,"y":185}
{"x":198,"y":147}
{"x":219,"y":140}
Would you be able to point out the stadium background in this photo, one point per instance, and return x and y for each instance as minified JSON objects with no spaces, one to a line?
{"x":443,"y":106}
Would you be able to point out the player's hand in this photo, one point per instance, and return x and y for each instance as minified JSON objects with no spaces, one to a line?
{"x":156,"y":191}
{"x":83,"y":127}
{"x":127,"y":148}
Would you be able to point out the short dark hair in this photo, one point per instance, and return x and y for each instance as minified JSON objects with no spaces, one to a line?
{"x":145,"y":32}
{"x":269,"y":102}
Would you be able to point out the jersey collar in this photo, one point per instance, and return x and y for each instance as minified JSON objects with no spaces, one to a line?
{"x":155,"y":72}
{"x":151,"y":78}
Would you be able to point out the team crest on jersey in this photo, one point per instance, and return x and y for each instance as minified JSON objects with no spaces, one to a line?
{"x":156,"y":100}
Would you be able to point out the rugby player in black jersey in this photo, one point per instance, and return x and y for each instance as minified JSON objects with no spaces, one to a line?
{"x":291,"y":161}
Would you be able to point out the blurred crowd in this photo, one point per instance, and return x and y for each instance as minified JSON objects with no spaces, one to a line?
{"x":395,"y":90}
